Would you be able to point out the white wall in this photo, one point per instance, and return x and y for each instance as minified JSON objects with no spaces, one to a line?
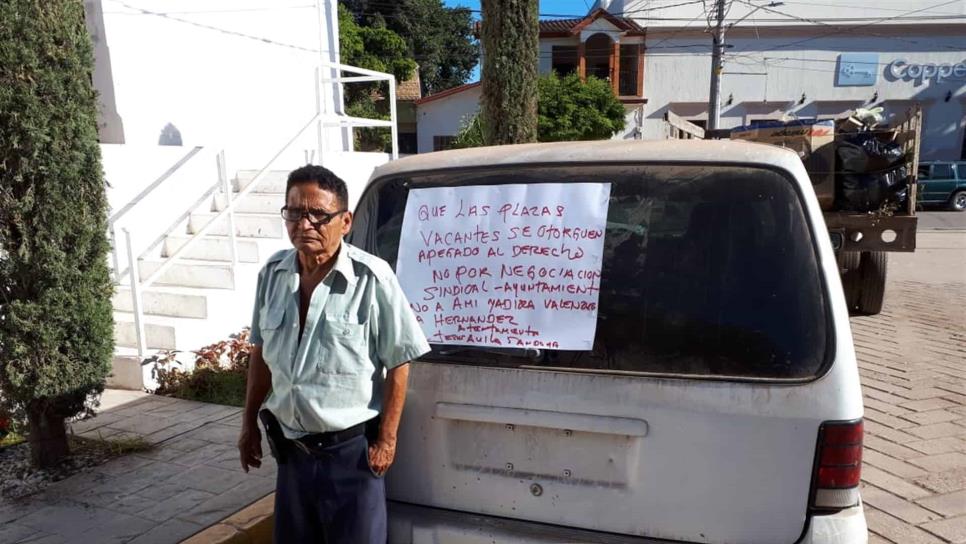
{"x":546,"y":52}
{"x":130,"y":169}
{"x":356,"y":168}
{"x":679,"y":81}
{"x":219,"y":89}
{"x":109,"y":124}
{"x":653,"y":15}
{"x":445,"y":117}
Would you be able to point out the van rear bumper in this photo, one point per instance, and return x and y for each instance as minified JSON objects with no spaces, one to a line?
{"x":411,"y":524}
{"x":844,"y":527}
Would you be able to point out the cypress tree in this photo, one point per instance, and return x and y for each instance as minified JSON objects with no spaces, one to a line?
{"x":56,"y":327}
{"x":510,"y":35}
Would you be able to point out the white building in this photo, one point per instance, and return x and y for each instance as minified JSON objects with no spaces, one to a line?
{"x":196,"y":97}
{"x":796,"y":59}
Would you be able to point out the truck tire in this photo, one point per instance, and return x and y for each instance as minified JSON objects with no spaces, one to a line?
{"x":848,"y":261}
{"x":871,"y":282}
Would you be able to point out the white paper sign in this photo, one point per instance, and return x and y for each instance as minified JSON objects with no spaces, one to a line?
{"x":505,"y":265}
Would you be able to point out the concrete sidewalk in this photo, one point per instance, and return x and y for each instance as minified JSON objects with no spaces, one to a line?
{"x":190,"y":480}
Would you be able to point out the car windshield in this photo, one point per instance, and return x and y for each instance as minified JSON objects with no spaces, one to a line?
{"x":706,"y":272}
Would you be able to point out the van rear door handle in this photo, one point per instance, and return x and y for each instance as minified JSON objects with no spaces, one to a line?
{"x":548,"y":419}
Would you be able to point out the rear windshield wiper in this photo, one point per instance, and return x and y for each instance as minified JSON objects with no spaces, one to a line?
{"x":529,"y":353}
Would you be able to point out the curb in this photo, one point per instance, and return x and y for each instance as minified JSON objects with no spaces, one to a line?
{"x":252,"y":524}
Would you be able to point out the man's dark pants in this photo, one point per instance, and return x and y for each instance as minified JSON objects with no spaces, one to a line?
{"x":330,"y":497}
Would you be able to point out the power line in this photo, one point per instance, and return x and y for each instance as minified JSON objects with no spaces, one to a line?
{"x":682,"y":29}
{"x":205,"y":11}
{"x":552,"y":16}
{"x":847,"y":29}
{"x":217,"y":29}
{"x":840,"y":6}
{"x":625,"y":13}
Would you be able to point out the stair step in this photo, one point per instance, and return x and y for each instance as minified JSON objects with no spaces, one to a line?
{"x":269,"y":203}
{"x":212,"y":248}
{"x":190,"y":273}
{"x":164,"y":301}
{"x":158,"y":336}
{"x":126,"y":370}
{"x":250,"y":225}
{"x":273,"y":182}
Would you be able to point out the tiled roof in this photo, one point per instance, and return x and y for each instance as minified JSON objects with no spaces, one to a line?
{"x":572,"y":26}
{"x":409,"y":90}
{"x":558,"y":25}
{"x":448,"y":92}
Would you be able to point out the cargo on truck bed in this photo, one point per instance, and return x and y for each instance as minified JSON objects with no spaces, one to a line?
{"x":864,"y":175}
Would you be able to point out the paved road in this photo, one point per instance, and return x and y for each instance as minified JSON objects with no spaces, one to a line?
{"x":912,"y":359}
{"x":942,"y":220}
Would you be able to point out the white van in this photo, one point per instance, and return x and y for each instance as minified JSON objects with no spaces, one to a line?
{"x":719,"y":403}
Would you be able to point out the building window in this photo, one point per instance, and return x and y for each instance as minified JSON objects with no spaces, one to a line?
{"x":564,"y":59}
{"x":599,"y":52}
{"x":442,"y":143}
{"x":407,"y":143}
{"x":630,"y":57}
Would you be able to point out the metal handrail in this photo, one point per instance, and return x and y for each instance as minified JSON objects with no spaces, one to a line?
{"x":228,"y":209}
{"x":320,"y":119}
{"x":177,"y":221}
{"x":136,"y":200}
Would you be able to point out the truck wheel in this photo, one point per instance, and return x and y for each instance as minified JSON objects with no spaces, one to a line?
{"x":957,"y":202}
{"x":848,"y":261}
{"x":871,"y":282}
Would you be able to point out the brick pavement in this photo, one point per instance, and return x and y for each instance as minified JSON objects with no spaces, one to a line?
{"x":190,"y":480}
{"x":912,"y":360}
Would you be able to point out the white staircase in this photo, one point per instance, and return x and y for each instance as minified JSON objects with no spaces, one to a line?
{"x":201,"y":298}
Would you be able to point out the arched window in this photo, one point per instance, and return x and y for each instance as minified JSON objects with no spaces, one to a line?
{"x":599,"y":51}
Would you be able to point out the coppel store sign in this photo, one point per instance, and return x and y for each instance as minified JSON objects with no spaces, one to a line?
{"x":925,"y":73}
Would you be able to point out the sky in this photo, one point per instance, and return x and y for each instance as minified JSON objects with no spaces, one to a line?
{"x":554,"y":7}
{"x":576,"y":8}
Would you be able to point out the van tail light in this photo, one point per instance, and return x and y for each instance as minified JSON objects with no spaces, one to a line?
{"x":838,"y":465}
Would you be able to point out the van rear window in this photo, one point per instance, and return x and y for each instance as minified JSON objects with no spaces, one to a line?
{"x":706,"y":271}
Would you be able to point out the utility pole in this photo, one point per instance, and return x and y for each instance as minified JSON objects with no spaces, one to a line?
{"x":717,"y":57}
{"x":714,"y":97}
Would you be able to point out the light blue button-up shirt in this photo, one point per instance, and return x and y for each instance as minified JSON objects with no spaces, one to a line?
{"x":358,"y":324}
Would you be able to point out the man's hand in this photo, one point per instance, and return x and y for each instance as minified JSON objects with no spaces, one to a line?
{"x":250,"y":447}
{"x":381,"y":455}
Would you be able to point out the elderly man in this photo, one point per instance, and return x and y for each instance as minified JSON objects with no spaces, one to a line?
{"x":332,"y":334}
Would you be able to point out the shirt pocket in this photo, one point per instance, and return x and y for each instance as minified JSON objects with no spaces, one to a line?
{"x":274,"y":344}
{"x":345,"y":346}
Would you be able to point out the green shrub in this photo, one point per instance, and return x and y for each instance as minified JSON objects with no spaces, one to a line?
{"x":56,"y":324}
{"x":568,"y":110}
{"x":219,"y":375}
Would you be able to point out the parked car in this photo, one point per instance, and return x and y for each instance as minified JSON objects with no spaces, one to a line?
{"x":720,"y":399}
{"x":943,"y":183}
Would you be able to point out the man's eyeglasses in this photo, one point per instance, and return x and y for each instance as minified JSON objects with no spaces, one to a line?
{"x":317,"y":218}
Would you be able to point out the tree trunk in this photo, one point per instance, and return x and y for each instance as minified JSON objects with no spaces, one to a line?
{"x":510,"y":36}
{"x":47,"y":435}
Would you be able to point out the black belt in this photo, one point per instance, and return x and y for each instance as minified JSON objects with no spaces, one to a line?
{"x":312,"y":443}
